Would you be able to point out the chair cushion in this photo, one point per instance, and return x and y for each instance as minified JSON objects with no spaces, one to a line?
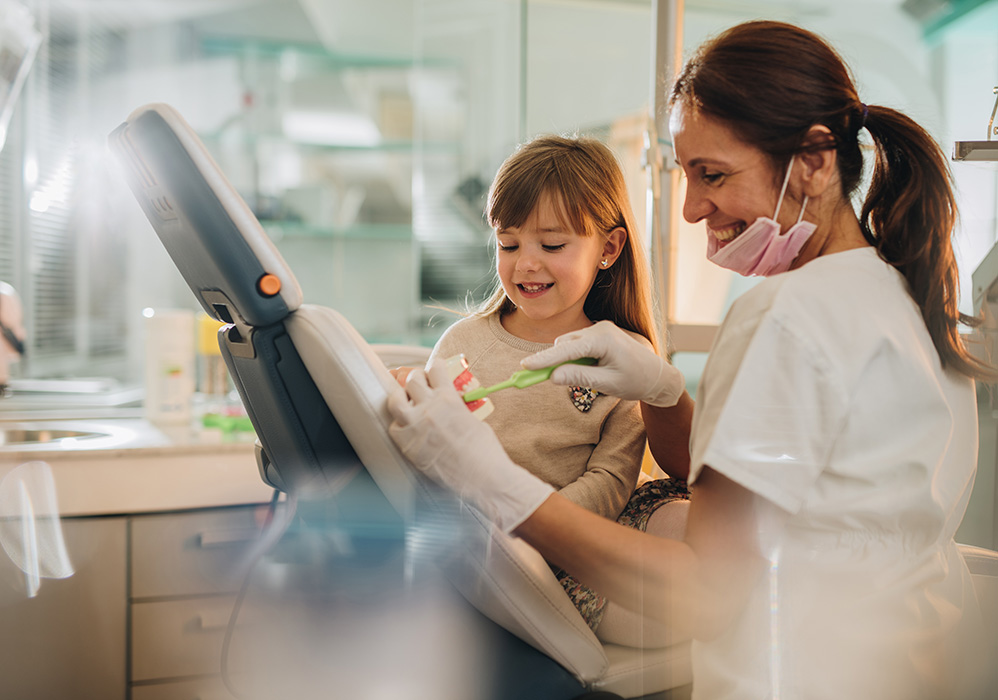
{"x":513,"y":585}
{"x":502,"y":576}
{"x":635,"y":672}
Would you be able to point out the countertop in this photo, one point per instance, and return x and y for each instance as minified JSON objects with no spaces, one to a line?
{"x":121,"y":465}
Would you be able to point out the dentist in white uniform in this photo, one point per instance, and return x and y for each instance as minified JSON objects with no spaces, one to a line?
{"x":833,"y":445}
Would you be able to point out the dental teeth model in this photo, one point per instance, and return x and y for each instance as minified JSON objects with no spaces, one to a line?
{"x":465,"y":381}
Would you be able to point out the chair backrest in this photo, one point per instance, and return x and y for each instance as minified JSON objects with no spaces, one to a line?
{"x":983,"y":566}
{"x":314,"y":389}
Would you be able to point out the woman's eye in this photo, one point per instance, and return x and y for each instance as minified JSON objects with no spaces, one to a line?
{"x":712,"y":178}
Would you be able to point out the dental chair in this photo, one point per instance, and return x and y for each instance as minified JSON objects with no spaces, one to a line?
{"x":316,"y":393}
{"x":983,"y":566}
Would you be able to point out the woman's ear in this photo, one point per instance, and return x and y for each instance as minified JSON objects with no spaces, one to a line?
{"x":613,"y":245}
{"x":820,"y":165}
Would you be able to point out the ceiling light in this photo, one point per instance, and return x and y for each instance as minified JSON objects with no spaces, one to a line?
{"x":331,"y":128}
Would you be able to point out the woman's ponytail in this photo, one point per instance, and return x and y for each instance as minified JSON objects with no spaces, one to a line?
{"x":909,"y":215}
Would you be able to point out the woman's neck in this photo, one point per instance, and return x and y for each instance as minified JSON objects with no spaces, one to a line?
{"x":836,"y":232}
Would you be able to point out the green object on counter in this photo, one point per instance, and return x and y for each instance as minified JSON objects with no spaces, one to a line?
{"x":523,"y":379}
{"x":228,"y":424}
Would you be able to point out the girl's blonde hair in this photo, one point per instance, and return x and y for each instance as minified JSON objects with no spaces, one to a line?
{"x":585,"y":176}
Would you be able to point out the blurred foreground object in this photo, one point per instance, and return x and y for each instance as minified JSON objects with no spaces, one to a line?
{"x":19,"y":42}
{"x":11,"y":330}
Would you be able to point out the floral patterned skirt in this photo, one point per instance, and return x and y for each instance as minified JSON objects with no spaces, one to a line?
{"x":645,"y":500}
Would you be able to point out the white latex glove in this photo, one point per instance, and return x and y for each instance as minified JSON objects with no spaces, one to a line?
{"x":626,"y":368}
{"x":437,"y":432}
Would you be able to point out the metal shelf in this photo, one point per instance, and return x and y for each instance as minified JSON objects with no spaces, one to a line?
{"x":976,"y":150}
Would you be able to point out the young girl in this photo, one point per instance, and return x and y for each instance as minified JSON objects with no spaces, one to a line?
{"x":568,"y":256}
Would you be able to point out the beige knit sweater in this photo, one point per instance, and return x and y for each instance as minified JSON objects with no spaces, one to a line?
{"x":593,"y":458}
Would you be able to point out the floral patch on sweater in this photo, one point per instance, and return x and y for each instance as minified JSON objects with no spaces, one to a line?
{"x":582,"y":397}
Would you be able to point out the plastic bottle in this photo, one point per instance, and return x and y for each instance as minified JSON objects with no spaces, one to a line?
{"x":169,"y":365}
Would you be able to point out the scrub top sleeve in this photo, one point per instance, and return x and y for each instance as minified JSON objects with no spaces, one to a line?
{"x":773,"y":430}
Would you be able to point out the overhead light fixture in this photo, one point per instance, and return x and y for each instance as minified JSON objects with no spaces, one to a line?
{"x":331,"y":128}
{"x":926,"y":10}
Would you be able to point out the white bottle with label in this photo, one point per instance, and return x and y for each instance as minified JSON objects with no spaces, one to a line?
{"x":169,"y":365}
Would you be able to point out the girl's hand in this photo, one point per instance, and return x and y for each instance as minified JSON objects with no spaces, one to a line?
{"x":626,"y":368}
{"x":435,"y":430}
{"x":400,"y":374}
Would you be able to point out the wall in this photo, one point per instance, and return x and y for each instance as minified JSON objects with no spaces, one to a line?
{"x":588,"y":63}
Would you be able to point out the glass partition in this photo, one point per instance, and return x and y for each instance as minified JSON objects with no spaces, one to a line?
{"x":365,"y":135}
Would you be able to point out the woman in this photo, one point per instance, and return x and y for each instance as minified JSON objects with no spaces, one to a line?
{"x":833,"y":447}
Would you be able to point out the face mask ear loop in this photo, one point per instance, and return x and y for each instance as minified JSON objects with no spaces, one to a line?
{"x":786,"y":181}
{"x":803,"y":206}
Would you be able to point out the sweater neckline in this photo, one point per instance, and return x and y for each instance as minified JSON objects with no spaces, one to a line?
{"x":514,"y":341}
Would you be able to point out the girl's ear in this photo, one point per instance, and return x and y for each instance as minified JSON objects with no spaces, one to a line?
{"x":820,"y":165}
{"x":613,"y":245}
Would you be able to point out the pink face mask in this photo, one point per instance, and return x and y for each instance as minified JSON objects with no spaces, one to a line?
{"x":760,"y":249}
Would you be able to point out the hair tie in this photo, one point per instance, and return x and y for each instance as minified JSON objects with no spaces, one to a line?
{"x":866,"y":111}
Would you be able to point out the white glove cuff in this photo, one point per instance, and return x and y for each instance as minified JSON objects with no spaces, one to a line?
{"x":516,"y":506}
{"x":511,"y":501}
{"x":670,"y":386}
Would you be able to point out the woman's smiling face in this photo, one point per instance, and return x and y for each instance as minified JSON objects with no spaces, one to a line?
{"x":729,"y":183}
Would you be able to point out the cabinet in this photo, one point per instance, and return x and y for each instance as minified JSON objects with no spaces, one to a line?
{"x":68,"y":641}
{"x":183,"y":575}
{"x":143,"y":615}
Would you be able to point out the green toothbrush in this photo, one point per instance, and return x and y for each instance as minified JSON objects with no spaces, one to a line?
{"x":522,"y":379}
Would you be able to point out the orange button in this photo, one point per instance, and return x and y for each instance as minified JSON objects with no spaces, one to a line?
{"x":269,"y":285}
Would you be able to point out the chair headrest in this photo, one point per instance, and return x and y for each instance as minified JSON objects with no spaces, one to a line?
{"x":214,"y":239}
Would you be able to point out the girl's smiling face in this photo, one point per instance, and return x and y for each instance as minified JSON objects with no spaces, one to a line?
{"x":730,"y":184}
{"x":547,"y":269}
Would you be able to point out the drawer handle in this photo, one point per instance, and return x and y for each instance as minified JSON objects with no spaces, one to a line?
{"x":224,"y":538}
{"x":213,"y":621}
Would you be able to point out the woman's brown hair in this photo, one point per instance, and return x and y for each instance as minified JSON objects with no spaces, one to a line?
{"x":771,"y":82}
{"x":583,"y":174}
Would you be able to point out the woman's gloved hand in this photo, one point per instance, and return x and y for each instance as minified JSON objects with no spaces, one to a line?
{"x":626,"y":368}
{"x":435,"y":430}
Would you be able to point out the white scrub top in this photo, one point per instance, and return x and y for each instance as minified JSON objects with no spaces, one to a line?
{"x":824,"y":395}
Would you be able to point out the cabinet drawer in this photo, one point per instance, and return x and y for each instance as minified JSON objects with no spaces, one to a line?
{"x":191,"y":553}
{"x":203,"y":689}
{"x":179,"y":637}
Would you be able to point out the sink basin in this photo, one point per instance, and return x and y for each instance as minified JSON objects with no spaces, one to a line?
{"x":62,"y":435}
{"x":62,"y":399}
{"x":31,"y":436}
